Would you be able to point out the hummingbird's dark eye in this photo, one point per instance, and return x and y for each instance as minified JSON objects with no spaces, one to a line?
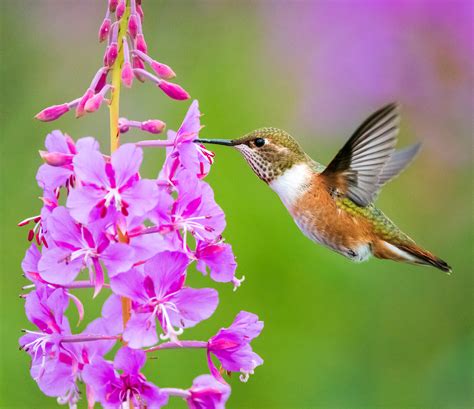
{"x":259,"y":142}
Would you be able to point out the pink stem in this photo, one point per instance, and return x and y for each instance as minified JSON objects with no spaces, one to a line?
{"x":178,"y":345}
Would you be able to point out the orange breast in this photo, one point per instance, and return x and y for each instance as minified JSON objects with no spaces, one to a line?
{"x":319,"y":217}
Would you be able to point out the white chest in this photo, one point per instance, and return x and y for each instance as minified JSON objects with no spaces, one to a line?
{"x":292,"y":183}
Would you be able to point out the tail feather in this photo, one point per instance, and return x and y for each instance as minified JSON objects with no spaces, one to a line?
{"x":410,"y":253}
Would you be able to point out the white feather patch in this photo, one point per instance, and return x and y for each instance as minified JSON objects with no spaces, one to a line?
{"x":292,"y":183}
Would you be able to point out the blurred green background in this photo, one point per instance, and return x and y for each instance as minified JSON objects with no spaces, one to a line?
{"x":337,"y":334}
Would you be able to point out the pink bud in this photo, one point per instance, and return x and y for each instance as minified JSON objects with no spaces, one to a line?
{"x":112,"y":52}
{"x":52,"y":113}
{"x":137,"y":63}
{"x":101,"y":81}
{"x":80,"y":111}
{"x":113,"y":5}
{"x":162,"y":70}
{"x":140,"y":10}
{"x":127,"y":74}
{"x":173,"y":90}
{"x":140,"y":43}
{"x":120,"y":10}
{"x":104,"y":29}
{"x":153,"y":126}
{"x":56,"y":158}
{"x":123,"y":125}
{"x":94,"y":103}
{"x":133,"y":25}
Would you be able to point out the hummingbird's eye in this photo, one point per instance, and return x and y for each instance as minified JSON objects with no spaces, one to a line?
{"x":259,"y":142}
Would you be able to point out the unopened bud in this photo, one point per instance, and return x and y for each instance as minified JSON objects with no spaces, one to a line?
{"x":123,"y":125}
{"x":56,"y":158}
{"x":113,"y":5}
{"x":140,"y":44}
{"x":104,"y":29}
{"x":133,"y":25}
{"x":127,"y":74}
{"x":120,"y":10}
{"x":94,"y":103}
{"x":173,"y":90}
{"x":162,"y":70}
{"x":137,"y":63}
{"x":52,"y":113}
{"x":153,"y":126}
{"x":80,"y":110}
{"x":111,"y":54}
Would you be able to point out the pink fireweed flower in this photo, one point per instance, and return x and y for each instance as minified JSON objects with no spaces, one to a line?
{"x":207,"y":393}
{"x":232,"y":347}
{"x":218,"y":258}
{"x":118,"y":390}
{"x":110,"y":188}
{"x":75,"y":247}
{"x":159,"y":293}
{"x":61,"y":146}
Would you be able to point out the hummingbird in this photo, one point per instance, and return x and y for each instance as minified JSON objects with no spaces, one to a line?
{"x":333,"y":205}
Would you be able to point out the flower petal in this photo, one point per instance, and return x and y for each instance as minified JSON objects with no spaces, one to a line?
{"x":126,"y":162}
{"x":141,"y":330}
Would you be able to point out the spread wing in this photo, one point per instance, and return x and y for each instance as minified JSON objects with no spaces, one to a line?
{"x":367,"y":160}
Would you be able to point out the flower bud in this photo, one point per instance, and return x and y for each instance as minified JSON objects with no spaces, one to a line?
{"x":80,"y":111}
{"x":111,"y":54}
{"x":120,"y":10}
{"x":94,"y":103}
{"x":173,"y":90}
{"x":113,"y":5}
{"x":133,"y":25}
{"x":140,"y":43}
{"x":153,"y":126}
{"x":52,"y":113}
{"x":56,"y":158}
{"x":104,"y":29}
{"x":123,"y":125}
{"x":137,"y":63}
{"x":127,"y":74}
{"x":162,"y":70}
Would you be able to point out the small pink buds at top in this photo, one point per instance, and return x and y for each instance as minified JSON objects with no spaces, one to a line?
{"x":138,"y":67}
{"x":113,"y":5}
{"x":56,"y":158}
{"x":133,"y":25}
{"x":80,"y":111}
{"x":104,"y":29}
{"x":173,"y":90}
{"x":140,"y":43}
{"x":153,"y":126}
{"x":111,"y":54}
{"x":120,"y":10}
{"x":162,"y":70}
{"x":52,"y":113}
{"x":127,"y":74}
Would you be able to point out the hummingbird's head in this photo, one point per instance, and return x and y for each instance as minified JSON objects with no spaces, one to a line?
{"x":268,"y":151}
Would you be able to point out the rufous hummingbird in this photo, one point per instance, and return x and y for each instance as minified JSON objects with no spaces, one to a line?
{"x":333,"y":205}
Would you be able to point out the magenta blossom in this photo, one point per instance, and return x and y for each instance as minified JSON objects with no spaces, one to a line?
{"x":232,"y":347}
{"x":75,"y":247}
{"x":218,"y":259}
{"x":58,"y":170}
{"x":113,"y":389}
{"x":207,"y":393}
{"x":113,"y":186}
{"x":159,"y":293}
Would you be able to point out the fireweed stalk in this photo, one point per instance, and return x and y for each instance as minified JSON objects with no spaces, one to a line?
{"x":130,"y":236}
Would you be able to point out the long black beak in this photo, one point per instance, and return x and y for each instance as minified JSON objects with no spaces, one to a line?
{"x":225,"y":142}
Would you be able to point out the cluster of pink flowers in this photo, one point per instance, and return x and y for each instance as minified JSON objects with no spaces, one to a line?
{"x":104,"y":227}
